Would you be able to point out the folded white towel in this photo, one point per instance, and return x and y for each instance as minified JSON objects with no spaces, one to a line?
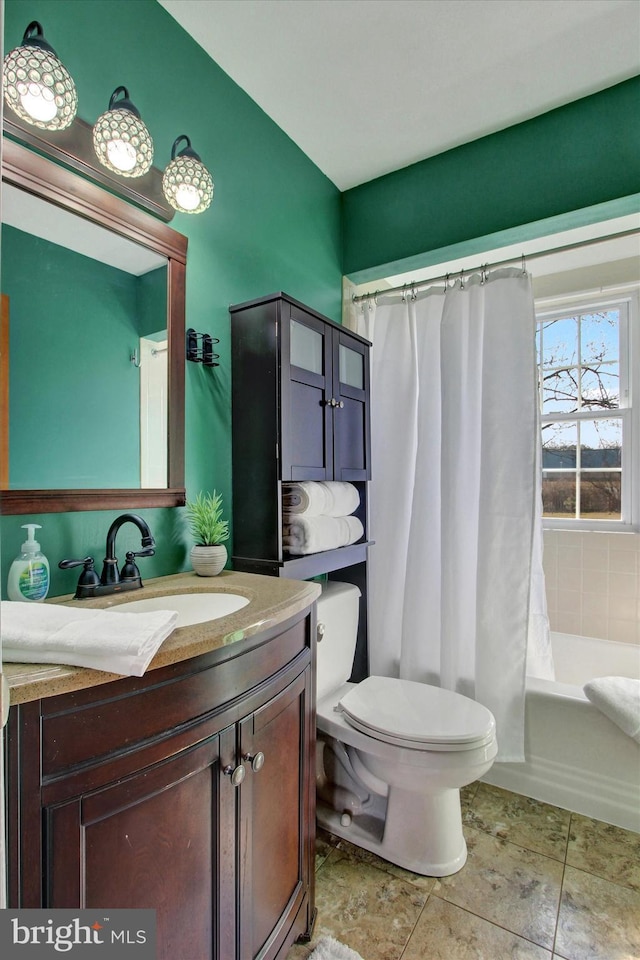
{"x":101,"y":639}
{"x":619,"y":699}
{"x":303,"y":535}
{"x":315,"y":498}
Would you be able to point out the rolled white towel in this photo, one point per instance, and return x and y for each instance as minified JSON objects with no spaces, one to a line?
{"x":122,"y":643}
{"x":302,"y":535}
{"x":315,"y":498}
{"x":619,"y":699}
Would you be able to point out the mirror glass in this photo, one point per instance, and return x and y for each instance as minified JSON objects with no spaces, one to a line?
{"x":92,"y":338}
{"x":86,"y":312}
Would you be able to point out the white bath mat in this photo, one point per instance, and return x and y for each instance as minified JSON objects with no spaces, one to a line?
{"x":330,"y":949}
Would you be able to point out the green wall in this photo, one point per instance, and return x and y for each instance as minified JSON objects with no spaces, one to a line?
{"x":70,"y":369}
{"x":274,"y":225}
{"x":549,"y":169}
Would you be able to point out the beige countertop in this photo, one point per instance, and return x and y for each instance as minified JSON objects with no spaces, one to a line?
{"x":271,"y":601}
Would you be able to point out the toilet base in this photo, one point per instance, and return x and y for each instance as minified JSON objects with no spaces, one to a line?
{"x":420,"y":832}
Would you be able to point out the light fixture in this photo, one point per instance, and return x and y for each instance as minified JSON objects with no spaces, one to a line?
{"x":36,"y":84}
{"x":187,"y":184}
{"x":121,"y":140}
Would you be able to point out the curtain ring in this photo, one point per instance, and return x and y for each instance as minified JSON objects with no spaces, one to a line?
{"x":524,"y":266}
{"x":483,"y":274}
{"x":446,"y":282}
{"x":414,"y":295}
{"x":462,"y":279}
{"x":404,"y":293}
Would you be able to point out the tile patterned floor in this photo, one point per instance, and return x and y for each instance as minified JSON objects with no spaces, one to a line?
{"x":540,"y":883}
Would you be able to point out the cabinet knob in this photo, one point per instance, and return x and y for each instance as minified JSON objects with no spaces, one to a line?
{"x":320,"y":632}
{"x":341,"y":404}
{"x":237,"y":774}
{"x":256,"y":760}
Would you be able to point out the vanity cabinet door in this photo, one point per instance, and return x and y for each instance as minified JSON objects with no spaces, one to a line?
{"x":277,"y":811}
{"x":156,"y":839}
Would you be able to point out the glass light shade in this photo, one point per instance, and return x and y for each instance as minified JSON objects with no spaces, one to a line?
{"x":186,"y":183}
{"x":37,"y":86}
{"x":121,"y":140}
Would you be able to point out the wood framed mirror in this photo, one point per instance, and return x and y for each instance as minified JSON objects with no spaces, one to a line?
{"x":40,"y":178}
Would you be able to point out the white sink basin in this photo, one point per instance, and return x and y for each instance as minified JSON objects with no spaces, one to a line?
{"x":191,"y":607}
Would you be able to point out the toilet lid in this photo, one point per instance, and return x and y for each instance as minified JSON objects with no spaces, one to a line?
{"x":416,"y":713}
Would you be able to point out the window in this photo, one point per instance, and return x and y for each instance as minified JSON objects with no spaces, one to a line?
{"x":585,"y":390}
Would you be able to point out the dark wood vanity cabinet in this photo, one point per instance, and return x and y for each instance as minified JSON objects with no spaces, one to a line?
{"x":300,"y":398}
{"x":190,"y":791}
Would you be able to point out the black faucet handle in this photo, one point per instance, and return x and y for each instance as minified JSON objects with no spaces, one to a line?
{"x":148,"y":552}
{"x":88,"y":577}
{"x":130,"y":571}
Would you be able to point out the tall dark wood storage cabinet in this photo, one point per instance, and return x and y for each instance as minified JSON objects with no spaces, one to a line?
{"x":300,"y":394}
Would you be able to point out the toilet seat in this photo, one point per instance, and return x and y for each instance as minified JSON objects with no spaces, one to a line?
{"x":416,"y":715}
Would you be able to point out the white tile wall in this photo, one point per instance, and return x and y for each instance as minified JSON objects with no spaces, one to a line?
{"x":593,"y":583}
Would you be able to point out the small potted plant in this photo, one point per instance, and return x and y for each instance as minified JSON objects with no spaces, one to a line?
{"x":209,"y":530}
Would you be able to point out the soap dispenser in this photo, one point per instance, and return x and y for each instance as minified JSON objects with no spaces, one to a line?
{"x":29,"y":573}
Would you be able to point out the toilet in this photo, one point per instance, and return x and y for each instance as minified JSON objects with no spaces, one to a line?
{"x":392,"y":754}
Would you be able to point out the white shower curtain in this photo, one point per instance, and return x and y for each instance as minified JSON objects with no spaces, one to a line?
{"x":455,"y":579}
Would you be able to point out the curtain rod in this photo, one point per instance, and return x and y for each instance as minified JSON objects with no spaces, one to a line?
{"x":416,"y":285}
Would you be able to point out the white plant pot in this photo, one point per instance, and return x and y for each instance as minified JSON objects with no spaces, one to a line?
{"x":208,"y":561}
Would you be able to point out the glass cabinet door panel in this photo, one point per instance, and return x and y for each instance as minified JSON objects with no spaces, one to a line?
{"x":351,"y":367}
{"x":306,"y":347}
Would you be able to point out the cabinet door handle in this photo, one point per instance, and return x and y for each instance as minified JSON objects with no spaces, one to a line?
{"x":256,"y":760}
{"x":237,"y":774}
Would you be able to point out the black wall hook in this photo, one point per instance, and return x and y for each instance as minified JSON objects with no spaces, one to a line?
{"x":200,"y":348}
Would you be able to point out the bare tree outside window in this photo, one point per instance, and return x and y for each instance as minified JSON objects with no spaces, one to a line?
{"x":582,"y":431}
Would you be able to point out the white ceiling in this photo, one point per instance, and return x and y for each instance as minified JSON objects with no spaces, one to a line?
{"x":365,"y":87}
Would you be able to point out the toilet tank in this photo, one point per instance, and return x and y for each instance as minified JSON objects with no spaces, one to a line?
{"x":338,"y":610}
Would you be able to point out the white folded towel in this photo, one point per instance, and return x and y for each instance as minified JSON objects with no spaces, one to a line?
{"x":315,"y":498}
{"x":619,"y":699}
{"x":122,"y":643}
{"x":303,"y":535}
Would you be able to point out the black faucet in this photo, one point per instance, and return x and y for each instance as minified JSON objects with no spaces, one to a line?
{"x":112,"y":580}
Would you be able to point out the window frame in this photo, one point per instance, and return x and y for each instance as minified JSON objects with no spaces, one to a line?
{"x":628,"y":412}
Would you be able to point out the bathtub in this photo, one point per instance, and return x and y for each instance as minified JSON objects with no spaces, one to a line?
{"x":575,"y":757}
